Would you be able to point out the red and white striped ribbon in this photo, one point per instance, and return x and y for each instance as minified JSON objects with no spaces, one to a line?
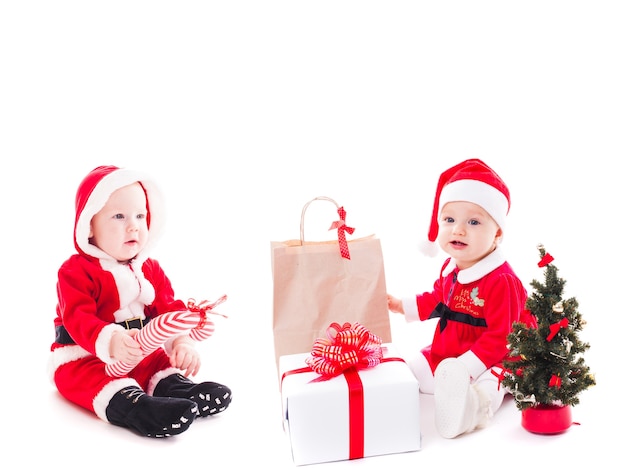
{"x":346,"y":346}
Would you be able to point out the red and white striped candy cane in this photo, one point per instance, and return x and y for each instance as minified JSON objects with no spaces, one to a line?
{"x":163,"y":327}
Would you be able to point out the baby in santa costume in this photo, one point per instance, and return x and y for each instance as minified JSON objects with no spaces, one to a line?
{"x":107,"y":293}
{"x":476,"y":299}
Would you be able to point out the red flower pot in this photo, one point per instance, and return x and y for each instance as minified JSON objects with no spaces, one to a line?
{"x":547,"y":419}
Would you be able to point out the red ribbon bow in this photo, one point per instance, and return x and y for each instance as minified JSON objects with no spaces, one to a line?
{"x":555,"y":381}
{"x":555,"y":327}
{"x":342,"y":228}
{"x":501,"y":375}
{"x":546,"y":260}
{"x":205,"y":307}
{"x":346,"y":346}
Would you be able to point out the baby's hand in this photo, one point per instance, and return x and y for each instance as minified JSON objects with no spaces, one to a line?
{"x":394,"y":304}
{"x":124,"y":348}
{"x":185,"y":357}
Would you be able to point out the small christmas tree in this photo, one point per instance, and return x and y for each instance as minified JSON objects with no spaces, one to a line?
{"x":545,"y":366}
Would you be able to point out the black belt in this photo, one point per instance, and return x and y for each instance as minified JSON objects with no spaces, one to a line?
{"x":137,"y":323}
{"x":444,"y":313}
{"x":63,"y":337}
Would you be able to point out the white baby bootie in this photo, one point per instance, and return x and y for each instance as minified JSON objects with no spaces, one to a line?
{"x":460,"y":407}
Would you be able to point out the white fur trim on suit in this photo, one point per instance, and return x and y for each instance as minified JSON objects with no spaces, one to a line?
{"x":103,"y":343}
{"x":489,"y":263}
{"x":63,"y":355}
{"x":133,"y":289}
{"x":103,"y":398}
{"x":156,"y":378}
{"x":474,"y":365}
{"x":409,"y":305}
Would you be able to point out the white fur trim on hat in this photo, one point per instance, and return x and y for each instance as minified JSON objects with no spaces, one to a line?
{"x":100,"y":195}
{"x":486,"y":196}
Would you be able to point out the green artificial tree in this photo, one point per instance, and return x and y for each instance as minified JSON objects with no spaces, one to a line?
{"x":545,"y":366}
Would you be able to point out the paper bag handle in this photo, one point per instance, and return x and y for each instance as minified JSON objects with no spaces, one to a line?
{"x":340,"y":225}
{"x":319,"y":198}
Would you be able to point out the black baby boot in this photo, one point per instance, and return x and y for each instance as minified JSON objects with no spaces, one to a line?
{"x":150,"y":416}
{"x":211,"y":397}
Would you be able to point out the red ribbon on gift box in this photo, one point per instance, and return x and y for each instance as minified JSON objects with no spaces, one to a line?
{"x":347,"y":349}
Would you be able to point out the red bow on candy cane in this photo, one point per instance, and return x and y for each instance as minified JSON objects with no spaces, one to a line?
{"x":346,"y":346}
{"x":555,"y":327}
{"x":205,"y":307}
{"x":342,"y":228}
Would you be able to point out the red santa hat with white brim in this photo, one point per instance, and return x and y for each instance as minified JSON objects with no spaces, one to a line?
{"x":470,"y":181}
{"x":94,"y":192}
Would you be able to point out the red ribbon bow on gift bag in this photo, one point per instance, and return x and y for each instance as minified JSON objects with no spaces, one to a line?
{"x":346,"y":346}
{"x":342,"y":228}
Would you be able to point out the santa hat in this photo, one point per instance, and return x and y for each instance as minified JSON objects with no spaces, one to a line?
{"x":471,"y":181}
{"x":94,"y":192}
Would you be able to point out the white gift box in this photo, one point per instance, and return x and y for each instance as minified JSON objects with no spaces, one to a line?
{"x":348,"y":417}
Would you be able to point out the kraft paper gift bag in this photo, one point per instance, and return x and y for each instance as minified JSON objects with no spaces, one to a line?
{"x":317,"y":283}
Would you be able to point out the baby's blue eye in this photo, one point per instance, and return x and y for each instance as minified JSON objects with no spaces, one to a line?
{"x":141,"y":216}
{"x":118,"y":216}
{"x":448,"y":220}
{"x":474,"y":222}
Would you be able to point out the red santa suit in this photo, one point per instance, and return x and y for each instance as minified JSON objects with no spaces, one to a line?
{"x":476,"y":308}
{"x":97,"y":295}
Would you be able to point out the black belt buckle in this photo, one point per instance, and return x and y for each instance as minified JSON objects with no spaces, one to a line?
{"x":133,"y":323}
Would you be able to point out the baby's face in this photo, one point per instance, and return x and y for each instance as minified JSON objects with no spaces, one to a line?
{"x":467,"y":232}
{"x":120,"y":228}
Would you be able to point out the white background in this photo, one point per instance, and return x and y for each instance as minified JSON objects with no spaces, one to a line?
{"x":246,"y":110}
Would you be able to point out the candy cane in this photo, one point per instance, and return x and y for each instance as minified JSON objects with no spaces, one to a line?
{"x":163,"y":327}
